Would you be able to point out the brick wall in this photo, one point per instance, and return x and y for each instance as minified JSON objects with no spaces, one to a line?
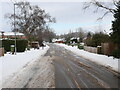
{"x":1,"y":51}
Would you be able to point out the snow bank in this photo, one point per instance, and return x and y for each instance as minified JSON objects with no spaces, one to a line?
{"x":10,"y":64}
{"x":100,"y":59}
{"x":38,"y":74}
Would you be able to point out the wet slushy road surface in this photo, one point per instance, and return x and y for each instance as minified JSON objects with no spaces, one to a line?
{"x":73,"y":71}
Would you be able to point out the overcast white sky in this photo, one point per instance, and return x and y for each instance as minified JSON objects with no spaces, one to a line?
{"x":69,"y":15}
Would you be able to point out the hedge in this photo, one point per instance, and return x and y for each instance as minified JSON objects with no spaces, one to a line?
{"x":0,"y":43}
{"x":80,"y":47}
{"x":20,"y":45}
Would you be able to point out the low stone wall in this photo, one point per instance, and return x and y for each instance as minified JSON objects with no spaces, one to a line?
{"x":1,"y":51}
{"x":91,"y":49}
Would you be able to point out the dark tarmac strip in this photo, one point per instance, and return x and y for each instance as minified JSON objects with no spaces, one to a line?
{"x":73,"y":71}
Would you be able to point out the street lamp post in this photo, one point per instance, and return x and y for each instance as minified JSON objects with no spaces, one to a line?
{"x":15,"y":28}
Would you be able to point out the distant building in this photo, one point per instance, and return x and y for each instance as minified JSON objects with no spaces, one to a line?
{"x":11,"y":35}
{"x":74,"y":40}
{"x":62,"y":40}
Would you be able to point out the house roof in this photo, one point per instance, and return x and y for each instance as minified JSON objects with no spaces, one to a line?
{"x":61,"y":39}
{"x":12,"y":33}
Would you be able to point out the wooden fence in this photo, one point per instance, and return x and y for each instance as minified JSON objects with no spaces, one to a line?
{"x":105,"y":48}
{"x":108,"y":48}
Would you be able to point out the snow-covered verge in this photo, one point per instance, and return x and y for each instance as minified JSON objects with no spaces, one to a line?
{"x":10,"y":64}
{"x":38,"y":74}
{"x":97,"y":58}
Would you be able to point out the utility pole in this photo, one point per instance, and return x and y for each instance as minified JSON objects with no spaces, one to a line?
{"x":15,"y":28}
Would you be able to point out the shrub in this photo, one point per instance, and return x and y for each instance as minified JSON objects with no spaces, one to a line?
{"x":20,"y":45}
{"x":97,"y":39}
{"x":80,"y":46}
{"x":0,"y":43}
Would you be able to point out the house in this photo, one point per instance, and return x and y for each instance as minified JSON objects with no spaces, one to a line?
{"x":74,"y":40}
{"x":12,"y":35}
{"x":58,"y":40}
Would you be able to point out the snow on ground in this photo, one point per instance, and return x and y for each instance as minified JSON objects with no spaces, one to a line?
{"x":100,"y":59}
{"x":38,"y":74}
{"x":10,"y":64}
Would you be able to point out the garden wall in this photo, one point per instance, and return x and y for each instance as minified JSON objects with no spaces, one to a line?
{"x":1,"y":51}
{"x":91,"y":49}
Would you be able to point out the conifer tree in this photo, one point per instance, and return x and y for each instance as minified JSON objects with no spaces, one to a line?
{"x":115,"y":35}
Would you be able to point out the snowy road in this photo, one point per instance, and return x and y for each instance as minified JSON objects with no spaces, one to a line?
{"x":72,"y":71}
{"x":60,"y":68}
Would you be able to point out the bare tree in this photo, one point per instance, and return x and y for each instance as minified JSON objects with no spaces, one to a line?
{"x":106,"y":7}
{"x":31,"y":20}
{"x":48,"y":34}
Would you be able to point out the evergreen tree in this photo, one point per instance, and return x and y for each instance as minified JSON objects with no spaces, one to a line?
{"x":115,"y":35}
{"x":89,"y":35}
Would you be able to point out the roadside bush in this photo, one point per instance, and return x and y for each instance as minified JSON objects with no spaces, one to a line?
{"x":20,"y":44}
{"x":0,"y":43}
{"x":89,"y":42}
{"x":97,"y":39}
{"x":80,"y":46}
